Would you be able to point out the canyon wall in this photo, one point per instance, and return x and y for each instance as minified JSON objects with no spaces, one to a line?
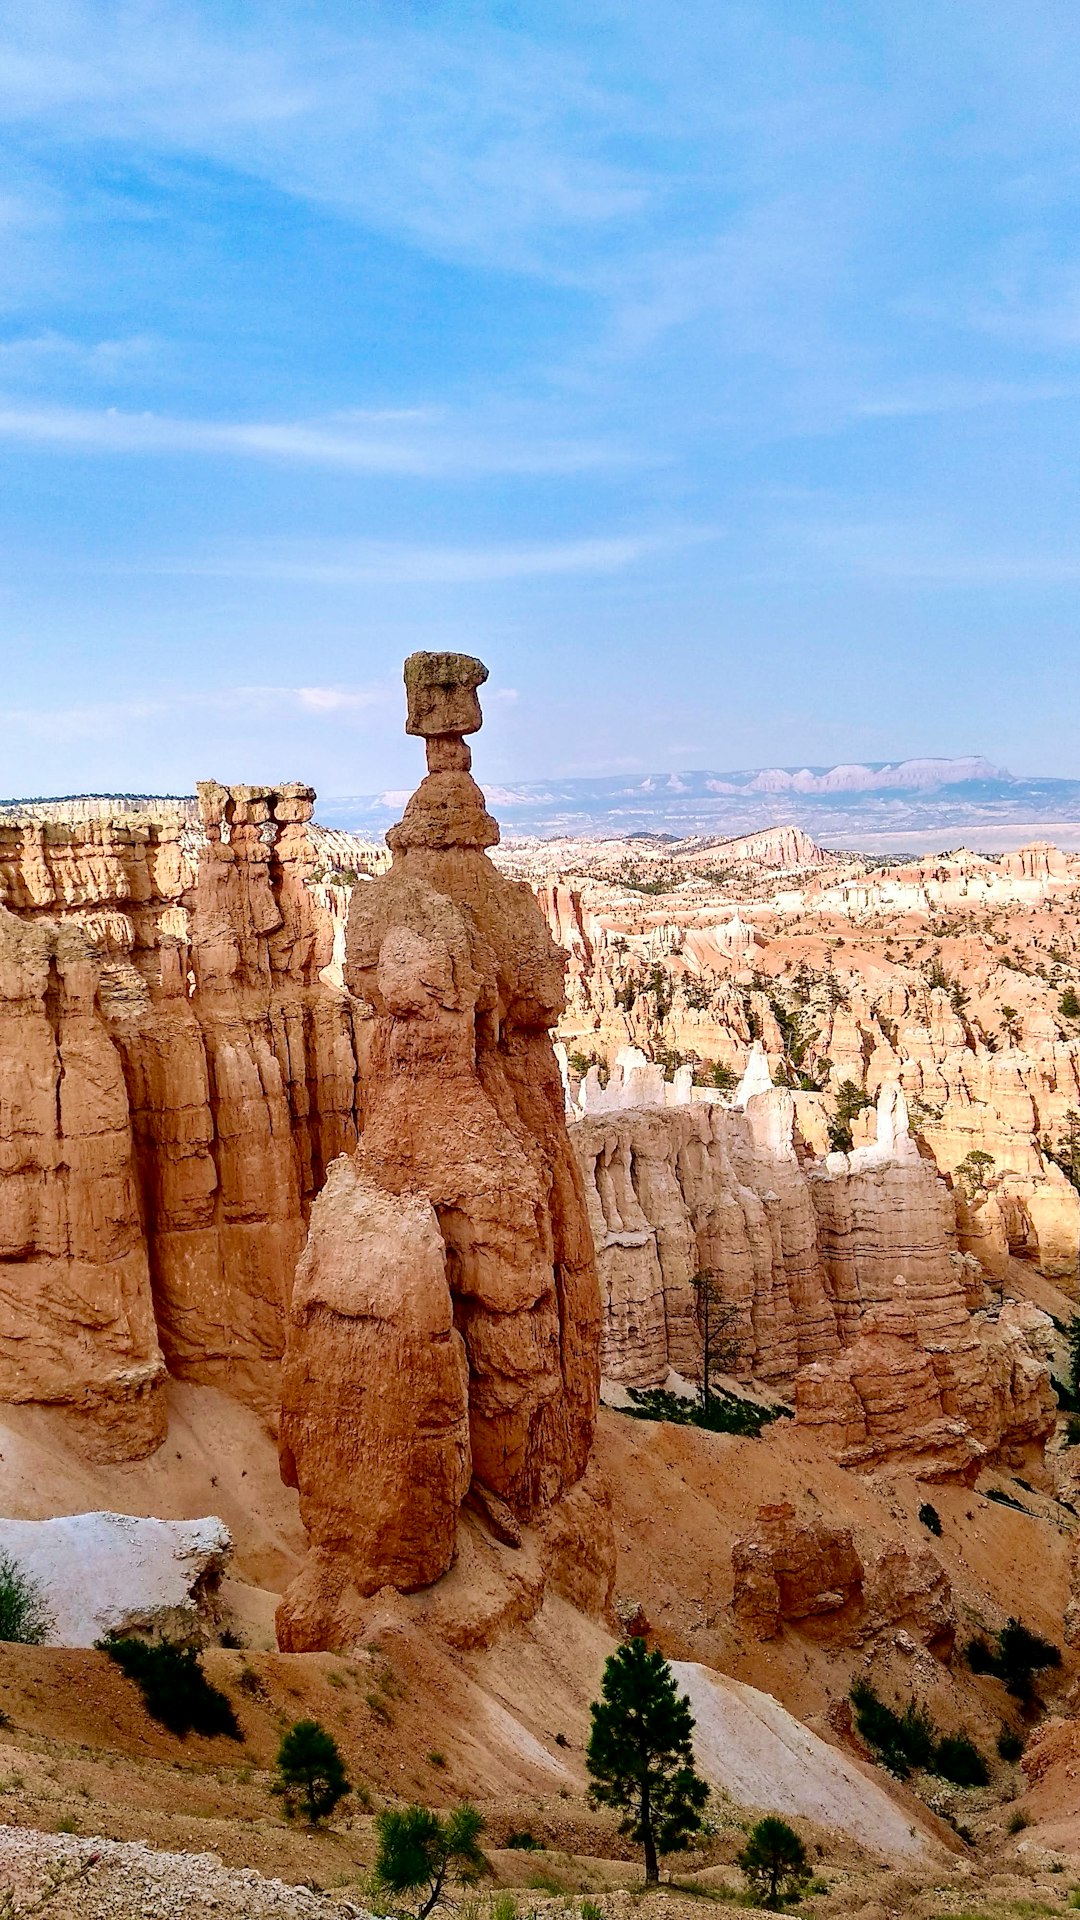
{"x":840,"y":1281}
{"x":177,"y":1076}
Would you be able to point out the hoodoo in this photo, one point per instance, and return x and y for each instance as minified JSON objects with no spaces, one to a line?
{"x":444,"y":1325}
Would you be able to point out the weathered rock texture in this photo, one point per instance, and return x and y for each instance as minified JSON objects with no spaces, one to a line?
{"x":799,"y":1572}
{"x":102,"y":1573}
{"x":444,"y":1326}
{"x":176,"y":1077}
{"x":843,"y":1280}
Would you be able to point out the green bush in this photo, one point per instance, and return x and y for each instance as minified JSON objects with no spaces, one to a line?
{"x":979,"y":1656}
{"x":1021,"y":1655}
{"x":1018,"y":1656}
{"x":930,"y":1518}
{"x":958,"y":1759}
{"x":174,"y":1688}
{"x":311,"y":1776}
{"x":774,"y":1862}
{"x":523,"y":1842}
{"x":900,"y":1741}
{"x":24,"y":1615}
{"x":1010,"y":1744}
{"x":904,"y":1741}
{"x":725,"y":1413}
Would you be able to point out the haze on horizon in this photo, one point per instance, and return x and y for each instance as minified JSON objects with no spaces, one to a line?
{"x":712,"y":373}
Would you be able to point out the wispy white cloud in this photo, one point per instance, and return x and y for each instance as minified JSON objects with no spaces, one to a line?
{"x":50,"y":350}
{"x":407,"y":442}
{"x":476,"y":142}
{"x":97,"y":719}
{"x":370,"y":562}
{"x":929,"y":555}
{"x":959,"y":396}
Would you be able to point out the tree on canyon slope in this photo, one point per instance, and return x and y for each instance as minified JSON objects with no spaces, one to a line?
{"x":641,"y":1754}
{"x":419,"y":1851}
{"x":311,"y":1772}
{"x":774,"y":1862}
{"x":716,"y":1323}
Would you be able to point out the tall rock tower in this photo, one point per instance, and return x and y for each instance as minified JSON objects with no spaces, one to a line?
{"x":444,"y":1326}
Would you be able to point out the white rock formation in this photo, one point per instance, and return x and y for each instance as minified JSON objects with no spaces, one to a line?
{"x":748,"y":1744}
{"x":112,"y":1573}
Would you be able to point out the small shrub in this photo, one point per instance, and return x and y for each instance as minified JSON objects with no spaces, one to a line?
{"x":174,"y":1688}
{"x":250,"y":1683}
{"x":504,"y":1906}
{"x":774,"y":1862}
{"x":958,"y":1759}
{"x":979,"y":1656}
{"x":311,"y":1772}
{"x":1017,"y":1821}
{"x":523,"y":1842}
{"x":1021,"y":1655}
{"x":591,"y":1910}
{"x":1010,"y":1745}
{"x":930,"y":1518}
{"x":545,"y":1883}
{"x":436,"y":1759}
{"x":418,"y":1851}
{"x":561,"y":1740}
{"x":900,"y":1741}
{"x":1017,"y":1658}
{"x":1071,"y":1435}
{"x":228,"y":1637}
{"x":24,"y":1615}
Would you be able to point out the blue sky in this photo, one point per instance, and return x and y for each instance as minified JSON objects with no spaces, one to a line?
{"x":712,"y":370}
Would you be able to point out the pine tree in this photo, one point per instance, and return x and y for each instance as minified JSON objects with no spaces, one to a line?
{"x":418,"y":1851}
{"x":641,"y":1755}
{"x":774,"y":1861}
{"x":311,"y":1772}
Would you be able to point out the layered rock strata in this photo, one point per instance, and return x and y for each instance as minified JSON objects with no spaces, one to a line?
{"x":841,"y":1280}
{"x":177,"y":1076}
{"x":444,"y":1326}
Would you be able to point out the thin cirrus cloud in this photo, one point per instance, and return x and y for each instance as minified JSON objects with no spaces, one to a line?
{"x":375,"y":562}
{"x":93,"y":719}
{"x":407,"y":442}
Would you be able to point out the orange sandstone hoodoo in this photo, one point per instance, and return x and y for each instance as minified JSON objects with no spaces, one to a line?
{"x":444,"y":1325}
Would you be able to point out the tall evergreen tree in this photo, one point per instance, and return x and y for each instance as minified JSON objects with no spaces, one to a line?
{"x":641,"y":1754}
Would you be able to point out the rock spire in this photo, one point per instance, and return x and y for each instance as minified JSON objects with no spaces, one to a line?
{"x":444,"y":1326}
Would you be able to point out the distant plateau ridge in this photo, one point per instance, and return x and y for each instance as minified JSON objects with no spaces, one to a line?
{"x":902,"y":806}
